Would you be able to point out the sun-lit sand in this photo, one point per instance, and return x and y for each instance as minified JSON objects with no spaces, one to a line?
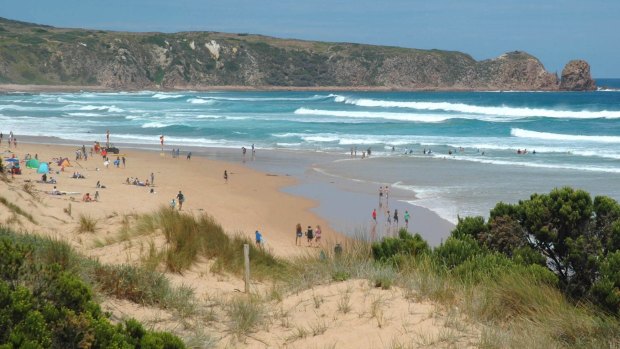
{"x":351,"y":314}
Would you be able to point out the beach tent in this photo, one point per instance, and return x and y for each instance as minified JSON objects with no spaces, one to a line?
{"x":32,"y":163}
{"x":64,"y":163}
{"x":43,"y":168}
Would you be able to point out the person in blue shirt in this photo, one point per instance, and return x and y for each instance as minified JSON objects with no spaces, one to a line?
{"x":259,"y":238}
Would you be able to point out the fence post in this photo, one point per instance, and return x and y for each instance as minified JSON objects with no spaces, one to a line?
{"x":246,"y":254}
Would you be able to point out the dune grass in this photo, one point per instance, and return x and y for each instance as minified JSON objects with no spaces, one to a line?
{"x":16,"y":209}
{"x":189,"y":238}
{"x":502,"y":305}
{"x":86,"y":224}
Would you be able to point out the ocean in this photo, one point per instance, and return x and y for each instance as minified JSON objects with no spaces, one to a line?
{"x":456,"y":153}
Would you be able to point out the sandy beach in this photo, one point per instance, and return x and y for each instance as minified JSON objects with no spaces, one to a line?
{"x":248,"y":201}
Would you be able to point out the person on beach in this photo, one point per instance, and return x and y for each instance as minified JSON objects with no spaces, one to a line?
{"x":225,"y":176}
{"x":107,"y":139}
{"x":317,"y":234}
{"x":14,"y":142}
{"x":259,"y":238}
{"x":124,"y":161}
{"x":389,"y":218}
{"x":406,"y":219}
{"x":161,"y":140}
{"x":96,"y":195}
{"x":310,"y":235}
{"x":253,"y":150}
{"x":87,"y":198}
{"x":173,"y":204}
{"x":189,"y":155}
{"x":1,"y":135}
{"x":181,"y":199}
{"x":152,"y":179}
{"x":298,"y":234}
{"x":380,"y":194}
{"x":374,"y":215}
{"x":396,"y":217}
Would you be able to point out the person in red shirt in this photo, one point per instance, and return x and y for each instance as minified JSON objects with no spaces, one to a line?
{"x":374,"y":214}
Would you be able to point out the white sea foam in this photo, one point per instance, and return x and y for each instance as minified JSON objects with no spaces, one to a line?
{"x":84,"y":114}
{"x":505,"y":111}
{"x":200,"y":101}
{"x":374,"y":115}
{"x":167,"y":96}
{"x":517,"y":132}
{"x":545,"y":165}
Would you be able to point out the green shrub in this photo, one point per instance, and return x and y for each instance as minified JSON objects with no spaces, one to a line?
{"x":43,"y":306}
{"x":455,"y":251}
{"x":404,"y":244}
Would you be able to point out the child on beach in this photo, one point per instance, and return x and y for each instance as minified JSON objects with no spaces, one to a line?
{"x":173,"y":204}
{"x":317,"y":234}
{"x":406,"y":219}
{"x":259,"y":238}
{"x":298,"y":234}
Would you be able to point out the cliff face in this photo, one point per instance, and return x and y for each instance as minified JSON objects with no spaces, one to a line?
{"x":34,"y":54}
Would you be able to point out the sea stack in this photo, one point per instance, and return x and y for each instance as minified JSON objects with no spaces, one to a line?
{"x":576,"y":77}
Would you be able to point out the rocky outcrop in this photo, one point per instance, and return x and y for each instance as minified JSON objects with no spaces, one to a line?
{"x":33,"y":54}
{"x":576,"y":77}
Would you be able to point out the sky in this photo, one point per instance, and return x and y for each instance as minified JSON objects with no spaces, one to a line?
{"x":555,"y":31}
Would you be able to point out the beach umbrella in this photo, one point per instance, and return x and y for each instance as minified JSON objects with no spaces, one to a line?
{"x":43,"y":168}
{"x":32,"y":163}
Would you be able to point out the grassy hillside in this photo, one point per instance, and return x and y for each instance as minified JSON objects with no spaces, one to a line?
{"x":38,"y":54}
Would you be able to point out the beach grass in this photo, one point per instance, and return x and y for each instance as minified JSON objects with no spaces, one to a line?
{"x":486,"y":301}
{"x":188,"y":239}
{"x":16,"y":209}
{"x":86,"y":224}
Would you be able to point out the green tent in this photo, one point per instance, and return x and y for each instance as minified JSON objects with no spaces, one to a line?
{"x":32,"y":163}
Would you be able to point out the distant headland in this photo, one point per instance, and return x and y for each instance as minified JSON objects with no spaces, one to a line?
{"x":40,"y":57}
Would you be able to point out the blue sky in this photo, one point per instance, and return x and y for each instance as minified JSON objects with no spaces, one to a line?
{"x":555,"y":31}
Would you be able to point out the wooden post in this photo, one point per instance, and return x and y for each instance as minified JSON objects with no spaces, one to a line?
{"x":246,"y":254}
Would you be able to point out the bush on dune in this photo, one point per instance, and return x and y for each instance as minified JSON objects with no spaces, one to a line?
{"x":43,"y":306}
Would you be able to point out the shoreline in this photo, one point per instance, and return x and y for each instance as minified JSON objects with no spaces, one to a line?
{"x":344,"y":204}
{"x":17,"y":88}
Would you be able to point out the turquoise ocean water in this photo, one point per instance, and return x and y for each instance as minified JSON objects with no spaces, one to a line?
{"x":576,"y":135}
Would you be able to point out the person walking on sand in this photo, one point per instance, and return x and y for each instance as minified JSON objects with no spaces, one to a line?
{"x":259,"y":238}
{"x":310,"y":235}
{"x":298,"y":234}
{"x":396,"y":217}
{"x":161,"y":140}
{"x":180,"y":199}
{"x":406,"y":219}
{"x":152,"y":179}
{"x":225,"y":176}
{"x":374,"y":215}
{"x":173,"y":204}
{"x":317,"y":234}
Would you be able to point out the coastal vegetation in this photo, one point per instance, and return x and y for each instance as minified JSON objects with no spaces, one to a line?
{"x":541,"y":273}
{"x":44,"y":55}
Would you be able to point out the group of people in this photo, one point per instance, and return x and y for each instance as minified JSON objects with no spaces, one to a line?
{"x":365,"y":153}
{"x":180,"y":198}
{"x":77,"y":175}
{"x":392,"y":218}
{"x":138,"y":182}
{"x":313,"y":236}
{"x":88,"y":198}
{"x":12,"y":139}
